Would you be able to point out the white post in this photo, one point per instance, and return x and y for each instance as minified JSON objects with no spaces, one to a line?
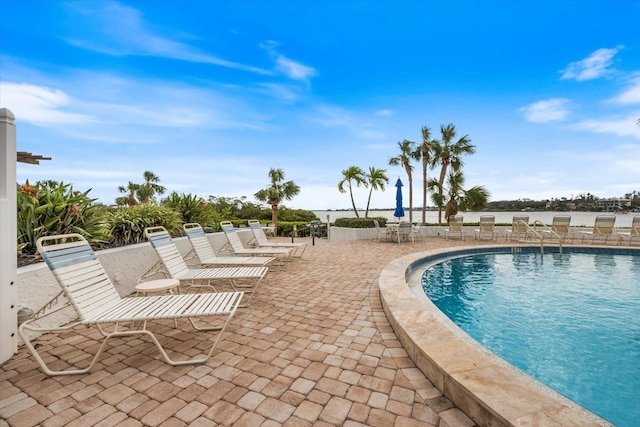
{"x":8,"y":237}
{"x":328,"y":226}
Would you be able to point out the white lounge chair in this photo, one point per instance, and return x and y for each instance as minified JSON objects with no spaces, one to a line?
{"x":602,"y":228}
{"x":634,"y":232}
{"x":455,"y":227}
{"x":559,"y":228}
{"x":519,"y":225}
{"x":86,"y":287}
{"x":260,"y":238}
{"x":235,"y":246}
{"x":245,"y":278}
{"x":487,"y":227}
{"x":207,"y":256}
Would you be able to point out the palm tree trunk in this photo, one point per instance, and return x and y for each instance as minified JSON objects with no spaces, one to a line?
{"x":353,"y":202}
{"x":443,"y":173}
{"x":274,"y":218}
{"x":410,"y":178}
{"x":424,"y":191}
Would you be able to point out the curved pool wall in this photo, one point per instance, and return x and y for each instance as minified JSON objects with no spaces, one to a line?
{"x":488,"y":389}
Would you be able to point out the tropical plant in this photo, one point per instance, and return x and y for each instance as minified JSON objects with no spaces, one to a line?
{"x":148,"y":190}
{"x":448,"y":152}
{"x":141,"y":193}
{"x":425,"y":152}
{"x":458,"y":198}
{"x":349,"y":175}
{"x":130,"y":198}
{"x":48,"y":208}
{"x":376,"y":179}
{"x":192,"y":208}
{"x":277,"y":191}
{"x":296,"y":215}
{"x":407,"y":153}
{"x":127,"y":223}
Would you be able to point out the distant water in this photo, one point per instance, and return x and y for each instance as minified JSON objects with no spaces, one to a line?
{"x":578,"y":219}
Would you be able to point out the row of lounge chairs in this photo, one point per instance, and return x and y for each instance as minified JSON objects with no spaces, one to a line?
{"x":560,"y":229}
{"x":86,"y":287}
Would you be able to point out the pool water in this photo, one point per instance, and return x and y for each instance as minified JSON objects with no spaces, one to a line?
{"x":570,"y":320}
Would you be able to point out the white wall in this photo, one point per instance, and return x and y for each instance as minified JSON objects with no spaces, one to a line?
{"x":8,"y":237}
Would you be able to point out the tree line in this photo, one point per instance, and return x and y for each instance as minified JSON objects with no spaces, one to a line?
{"x":447,"y":190}
{"x":273,"y":194}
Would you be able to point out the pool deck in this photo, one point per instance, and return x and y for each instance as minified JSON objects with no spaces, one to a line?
{"x":314,"y":348}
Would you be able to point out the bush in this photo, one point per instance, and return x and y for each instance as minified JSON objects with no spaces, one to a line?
{"x":49,"y":208}
{"x":191,"y":208}
{"x":359,"y":222}
{"x":127,"y":223}
{"x":294,"y":215}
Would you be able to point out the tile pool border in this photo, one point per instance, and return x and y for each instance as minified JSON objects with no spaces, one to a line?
{"x":488,"y":389}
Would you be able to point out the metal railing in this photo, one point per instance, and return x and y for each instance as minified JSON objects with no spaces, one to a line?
{"x":532,"y":232}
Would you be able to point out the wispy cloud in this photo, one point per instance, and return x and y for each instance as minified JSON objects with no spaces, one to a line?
{"x":290,"y":68}
{"x":40,"y":105}
{"x":385,"y":113}
{"x":620,"y":126}
{"x":294,"y":69}
{"x":282,"y":92}
{"x":631,"y":95}
{"x":121,"y":30}
{"x":546,"y":111}
{"x":594,"y":66}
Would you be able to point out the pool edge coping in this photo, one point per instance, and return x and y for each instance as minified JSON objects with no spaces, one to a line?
{"x":488,"y":389}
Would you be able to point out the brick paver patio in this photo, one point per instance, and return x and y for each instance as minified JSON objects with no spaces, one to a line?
{"x":313,"y":348}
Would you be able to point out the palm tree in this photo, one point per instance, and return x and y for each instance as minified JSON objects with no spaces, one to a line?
{"x":130,"y":199}
{"x":352,"y":173}
{"x":276,"y":192}
{"x":473,"y":199}
{"x":425,"y":152}
{"x":147,"y":191}
{"x":407,"y":153}
{"x":447,"y":153}
{"x":377,"y":179}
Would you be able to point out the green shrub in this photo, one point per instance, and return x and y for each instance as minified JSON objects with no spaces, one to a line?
{"x":294,"y":215}
{"x":49,"y":208}
{"x":127,"y":223}
{"x":359,"y":222}
{"x":191,"y":208}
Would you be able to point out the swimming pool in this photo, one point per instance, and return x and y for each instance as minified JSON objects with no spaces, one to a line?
{"x":568,"y":320}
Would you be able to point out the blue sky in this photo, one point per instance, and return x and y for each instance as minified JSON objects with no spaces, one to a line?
{"x":209,"y":95}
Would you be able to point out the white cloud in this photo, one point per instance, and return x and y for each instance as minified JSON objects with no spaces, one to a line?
{"x":385,"y":113}
{"x":40,"y":105}
{"x":284,"y":93}
{"x":622,"y":126}
{"x":121,"y":30}
{"x":630,"y":95}
{"x":294,"y":69}
{"x":546,"y":111}
{"x":290,"y":68}
{"x":594,"y":66}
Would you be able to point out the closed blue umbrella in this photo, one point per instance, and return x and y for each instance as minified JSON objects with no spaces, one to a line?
{"x":399,"y":212}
